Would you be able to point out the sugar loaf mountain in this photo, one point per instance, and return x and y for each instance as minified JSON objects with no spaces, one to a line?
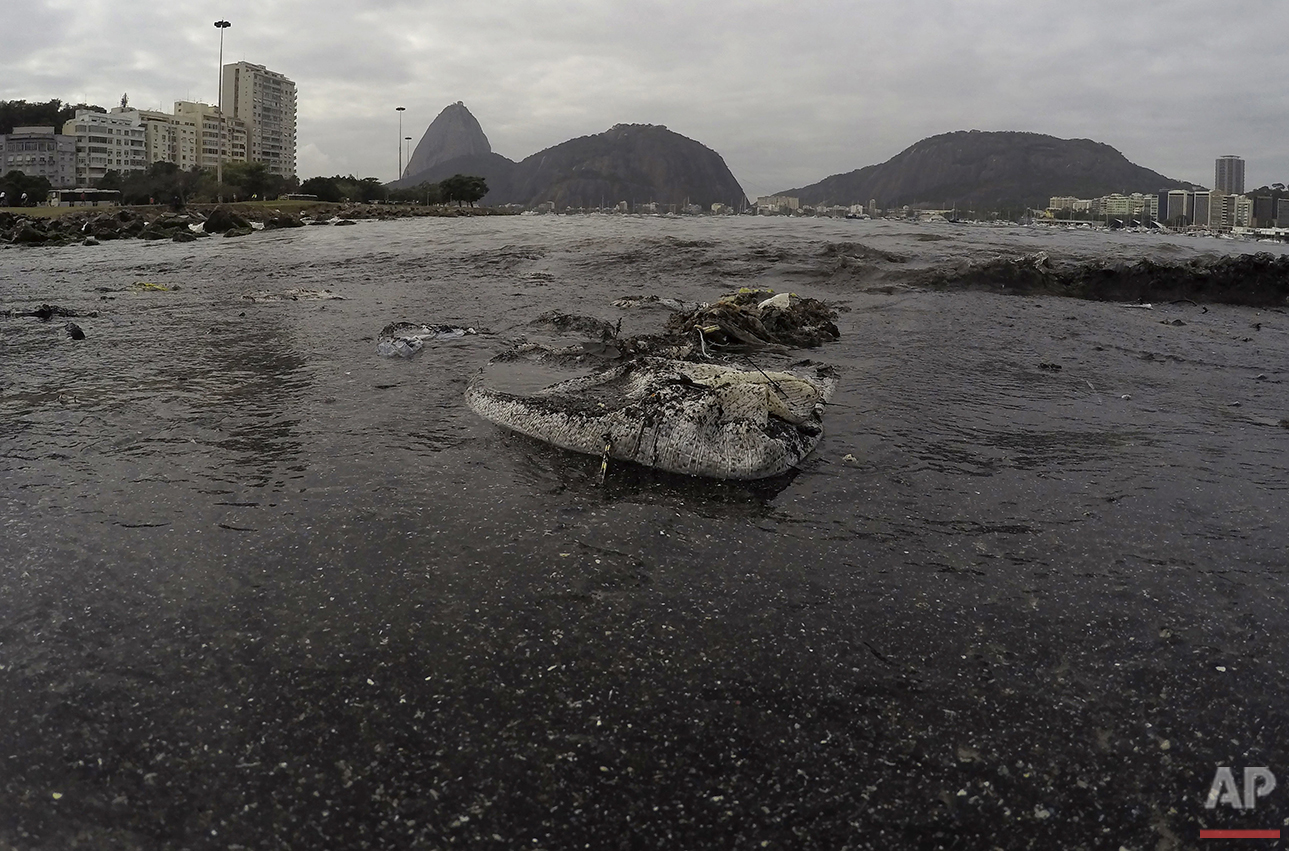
{"x":637,"y":163}
{"x":988,"y":170}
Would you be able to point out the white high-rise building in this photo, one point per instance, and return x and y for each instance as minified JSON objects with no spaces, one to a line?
{"x":265,"y":101}
{"x":107,"y":142}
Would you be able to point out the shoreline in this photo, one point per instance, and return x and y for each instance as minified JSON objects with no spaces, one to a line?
{"x":62,"y":226}
{"x":1254,"y":279}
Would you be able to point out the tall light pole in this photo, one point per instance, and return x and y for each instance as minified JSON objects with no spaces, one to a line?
{"x":407,"y":152}
{"x":219,"y":157}
{"x":399,"y":110}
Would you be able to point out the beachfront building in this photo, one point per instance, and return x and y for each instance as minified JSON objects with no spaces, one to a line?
{"x":1264,"y":211}
{"x":199,"y":127}
{"x":1229,"y":211}
{"x":1134,"y":206}
{"x":1200,"y":207}
{"x":265,"y":101}
{"x":106,"y":142}
{"x":1175,"y":206}
{"x":1282,"y":212}
{"x":40,"y":152}
{"x":780,"y":204}
{"x":1228,"y":175}
{"x":163,"y":138}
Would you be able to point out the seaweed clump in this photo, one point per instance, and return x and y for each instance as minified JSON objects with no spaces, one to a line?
{"x":759,"y":319}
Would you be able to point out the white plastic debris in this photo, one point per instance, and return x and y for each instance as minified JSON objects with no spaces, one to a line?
{"x":782,"y":301}
{"x":399,"y":347}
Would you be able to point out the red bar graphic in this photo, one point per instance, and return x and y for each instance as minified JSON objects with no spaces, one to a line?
{"x":1239,"y":834}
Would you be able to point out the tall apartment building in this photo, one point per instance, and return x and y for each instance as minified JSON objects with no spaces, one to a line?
{"x":161,"y":136}
{"x":1179,"y":205}
{"x":265,"y":101}
{"x":1127,"y":206}
{"x":198,"y":127}
{"x":107,"y":142}
{"x":40,"y":152}
{"x":1201,"y":204}
{"x":1264,"y":211}
{"x":1228,"y":175}
{"x":1228,"y":211}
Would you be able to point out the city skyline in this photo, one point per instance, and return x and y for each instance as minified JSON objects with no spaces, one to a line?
{"x":786,"y":96}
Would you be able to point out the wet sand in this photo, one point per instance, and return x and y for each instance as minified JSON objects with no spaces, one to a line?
{"x":260,"y":587}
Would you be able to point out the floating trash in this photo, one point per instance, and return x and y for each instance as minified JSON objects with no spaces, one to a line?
{"x":695,"y":418}
{"x":404,"y":339}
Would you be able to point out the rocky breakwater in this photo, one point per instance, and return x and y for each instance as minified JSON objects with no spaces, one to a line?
{"x":351,"y":211}
{"x":89,"y":226}
{"x":1255,"y":280}
{"x":94,"y":225}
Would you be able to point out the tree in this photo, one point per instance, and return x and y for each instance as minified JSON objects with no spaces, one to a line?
{"x":251,"y":179}
{"x":463,"y":187}
{"x":111,"y":179}
{"x":324,"y":187}
{"x":370,"y":189}
{"x":54,"y":113}
{"x":422,"y":193}
{"x":15,"y":184}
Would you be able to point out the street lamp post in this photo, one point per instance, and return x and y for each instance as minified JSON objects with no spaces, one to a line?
{"x":399,"y":110}
{"x":219,"y":145}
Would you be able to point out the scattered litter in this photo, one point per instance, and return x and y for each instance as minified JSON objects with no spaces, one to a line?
{"x":1139,"y":306}
{"x":47,"y":312}
{"x":148,"y":286}
{"x":294,"y":295}
{"x":1176,"y":322}
{"x":850,"y":458}
{"x":399,"y":348}
{"x":1126,"y":396}
{"x":631,"y":301}
{"x":561,"y":321}
{"x":748,"y":319}
{"x":404,"y":339}
{"x":1051,"y":367}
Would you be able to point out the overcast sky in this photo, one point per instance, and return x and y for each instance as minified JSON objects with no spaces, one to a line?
{"x":787,"y":92}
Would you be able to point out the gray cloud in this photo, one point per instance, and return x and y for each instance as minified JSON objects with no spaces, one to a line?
{"x":786,"y":92}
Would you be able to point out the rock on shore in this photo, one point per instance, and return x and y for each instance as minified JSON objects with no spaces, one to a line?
{"x":1260,"y":279}
{"x":92,"y":225}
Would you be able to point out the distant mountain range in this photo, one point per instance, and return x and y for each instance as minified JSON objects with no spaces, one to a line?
{"x":988,"y":170}
{"x":637,"y":163}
